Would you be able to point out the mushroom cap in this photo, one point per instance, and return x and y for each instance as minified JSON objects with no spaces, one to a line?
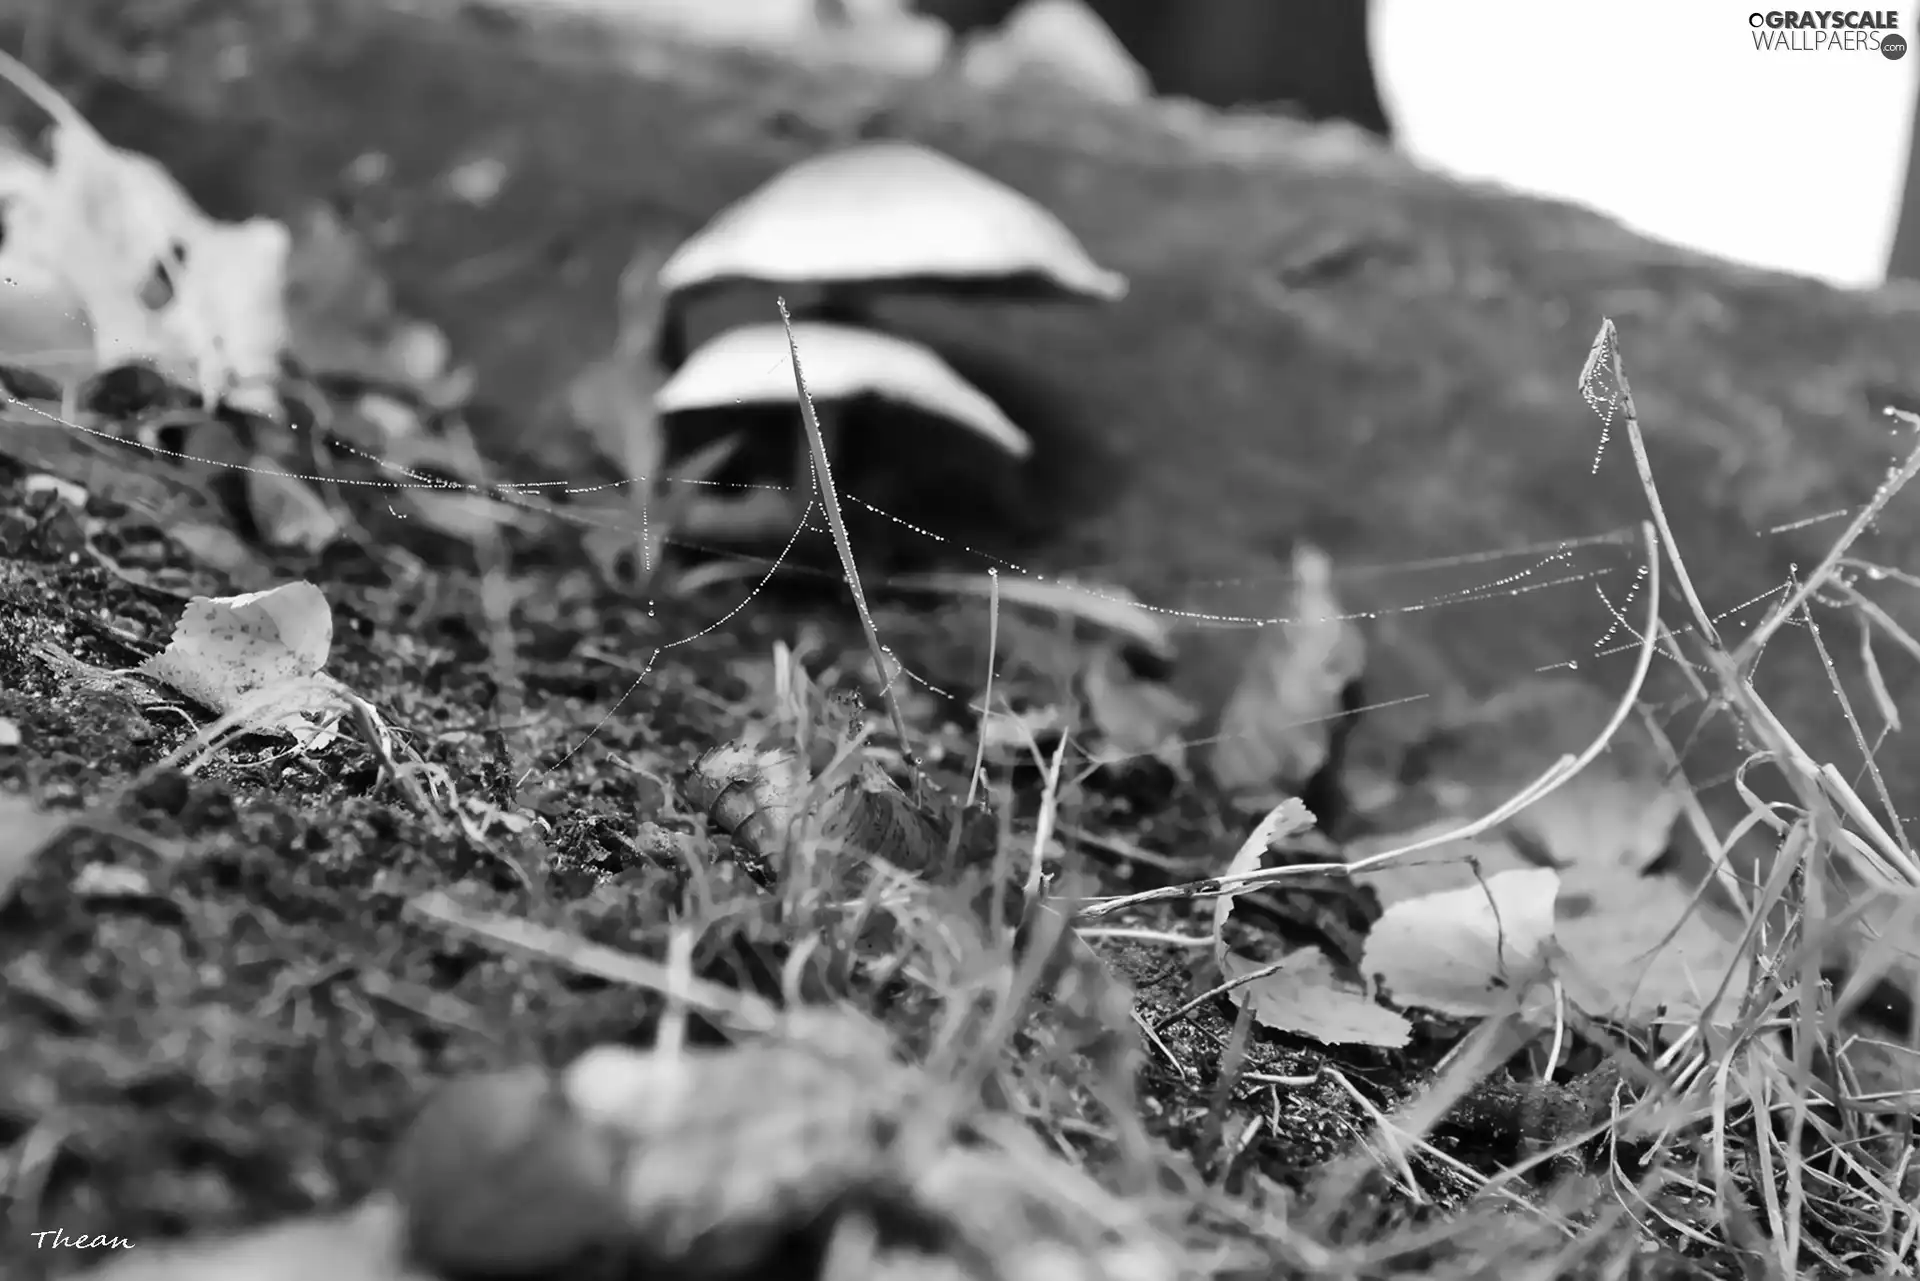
{"x":752,"y":365}
{"x":886,"y":212}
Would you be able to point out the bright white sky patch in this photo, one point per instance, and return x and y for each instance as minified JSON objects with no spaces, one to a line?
{"x":1664,"y":115}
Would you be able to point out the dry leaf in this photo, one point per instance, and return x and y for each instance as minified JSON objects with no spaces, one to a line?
{"x":1131,"y":716}
{"x":1639,"y":949}
{"x":886,"y":211}
{"x":1306,"y":998}
{"x":1062,"y":42}
{"x":1277,"y":729}
{"x":1467,"y":952}
{"x":1453,"y":865}
{"x":262,"y":652}
{"x":754,"y":365}
{"x":159,"y":280}
{"x":1620,"y":809}
{"x":287,"y":511}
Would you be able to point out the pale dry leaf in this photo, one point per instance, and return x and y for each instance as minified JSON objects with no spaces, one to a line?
{"x":160,"y":281}
{"x":1132,"y":716}
{"x":886,"y":211}
{"x":1061,"y":42}
{"x":1620,"y":809}
{"x":1288,"y":818}
{"x":9,"y":732}
{"x":1454,"y":865}
{"x":1468,"y":952}
{"x":753,"y":364}
{"x":231,"y":653}
{"x":287,"y":510}
{"x":1277,"y":729}
{"x":1305,"y":997}
{"x":1640,"y":949}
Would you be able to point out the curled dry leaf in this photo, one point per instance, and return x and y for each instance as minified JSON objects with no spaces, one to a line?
{"x":1619,"y":810}
{"x":287,"y":511}
{"x":1453,"y":865}
{"x":1468,"y":952}
{"x":1304,"y":996}
{"x":1061,"y":42}
{"x":1131,"y":716}
{"x":159,"y":279}
{"x":886,"y":211}
{"x":754,"y":365}
{"x":1277,"y":729}
{"x":262,"y":653}
{"x":1640,"y":949}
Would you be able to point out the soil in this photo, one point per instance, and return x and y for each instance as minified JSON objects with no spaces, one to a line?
{"x":1320,"y":344}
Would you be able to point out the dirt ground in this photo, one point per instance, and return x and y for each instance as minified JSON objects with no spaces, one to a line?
{"x":214,"y":1013}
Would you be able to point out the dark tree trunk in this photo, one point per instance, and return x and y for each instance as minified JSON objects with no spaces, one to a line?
{"x":1310,"y":57}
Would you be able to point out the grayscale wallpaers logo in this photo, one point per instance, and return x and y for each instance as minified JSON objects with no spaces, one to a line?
{"x":1829,"y":30}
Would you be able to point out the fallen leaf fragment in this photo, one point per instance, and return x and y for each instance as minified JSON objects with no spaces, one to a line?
{"x":1304,"y":996}
{"x":260,"y":654}
{"x":753,"y":364}
{"x":1641,"y":950}
{"x":1278,"y":727}
{"x":1467,"y":952}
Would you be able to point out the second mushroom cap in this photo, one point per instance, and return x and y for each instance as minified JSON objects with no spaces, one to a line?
{"x":752,"y":365}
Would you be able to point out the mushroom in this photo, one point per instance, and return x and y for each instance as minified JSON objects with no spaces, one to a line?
{"x":876,"y":216}
{"x":752,"y":366}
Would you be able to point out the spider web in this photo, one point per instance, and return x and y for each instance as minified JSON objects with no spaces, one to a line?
{"x":1480,"y":577}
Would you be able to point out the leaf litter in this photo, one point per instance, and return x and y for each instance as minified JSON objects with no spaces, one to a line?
{"x":1623,"y":944}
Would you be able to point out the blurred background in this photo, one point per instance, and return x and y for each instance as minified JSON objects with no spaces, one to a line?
{"x":1666,"y":116}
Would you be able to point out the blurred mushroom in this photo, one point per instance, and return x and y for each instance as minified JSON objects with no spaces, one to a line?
{"x":880,"y":215}
{"x":751,"y":366}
